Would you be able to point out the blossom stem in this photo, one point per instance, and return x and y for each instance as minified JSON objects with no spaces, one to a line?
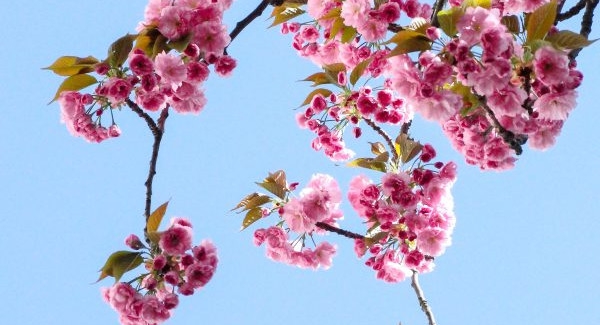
{"x":421,"y":297}
{"x":157,"y":130}
{"x":342,"y":232}
{"x":384,"y":135}
{"x":437,"y":6}
{"x":514,"y":141}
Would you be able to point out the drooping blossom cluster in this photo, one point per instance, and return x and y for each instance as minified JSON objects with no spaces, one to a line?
{"x":318,"y":203}
{"x":409,"y":215}
{"x":175,"y":267}
{"x":488,"y":91}
{"x":157,"y":80}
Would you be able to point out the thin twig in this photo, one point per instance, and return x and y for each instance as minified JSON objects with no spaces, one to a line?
{"x":157,"y":133}
{"x":437,"y":7}
{"x":586,"y":23}
{"x":514,"y":141}
{"x":342,"y":232}
{"x":239,"y":27}
{"x":571,"y":12}
{"x":384,"y":135}
{"x":421,"y":297}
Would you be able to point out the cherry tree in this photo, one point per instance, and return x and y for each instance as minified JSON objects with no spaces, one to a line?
{"x":496,"y":76}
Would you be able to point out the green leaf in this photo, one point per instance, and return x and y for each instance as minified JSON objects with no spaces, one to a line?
{"x":72,"y":65}
{"x":487,"y":4}
{"x":568,"y":40}
{"x":370,"y":241}
{"x":409,"y":41}
{"x":146,"y":40}
{"x":284,"y":13}
{"x":159,"y":45}
{"x":275,"y":183}
{"x":448,"y":19}
{"x":251,"y":217}
{"x":322,"y":91}
{"x":333,"y":13}
{"x":256,"y":201}
{"x":348,"y":34}
{"x":74,"y":83}
{"x":154,"y":236}
{"x":119,"y":50}
{"x":409,"y":148}
{"x":359,"y":70}
{"x":419,"y":25}
{"x":156,"y":217}
{"x":180,"y":44}
{"x":120,"y":262}
{"x":319,"y":78}
{"x":512,"y":23}
{"x":245,"y":200}
{"x":540,"y":21}
{"x":368,"y":163}
{"x":336,"y":27}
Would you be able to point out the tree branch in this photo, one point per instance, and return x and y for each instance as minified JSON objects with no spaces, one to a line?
{"x":157,"y":129}
{"x":342,"y":232}
{"x":586,"y":23}
{"x":513,"y":140}
{"x":437,"y":6}
{"x":571,"y":12}
{"x":421,"y":297}
{"x":384,"y":135}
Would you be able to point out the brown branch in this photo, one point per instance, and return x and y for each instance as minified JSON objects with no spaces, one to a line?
{"x":384,"y":135}
{"x":513,"y":140}
{"x":571,"y":12}
{"x":239,"y":27}
{"x":421,"y":297}
{"x":437,"y":7}
{"x":342,"y":232}
{"x":157,"y":130}
{"x":586,"y":23}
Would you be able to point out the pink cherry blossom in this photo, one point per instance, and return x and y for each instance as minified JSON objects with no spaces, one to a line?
{"x":170,"y":68}
{"x":176,"y":240}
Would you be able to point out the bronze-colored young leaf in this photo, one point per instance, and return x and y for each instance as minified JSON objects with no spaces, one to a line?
{"x":409,"y":41}
{"x":448,"y":19}
{"x":568,"y":40}
{"x":336,"y":27}
{"x":75,"y":82}
{"x":154,"y":236}
{"x":72,"y":65}
{"x":319,"y":78}
{"x":322,"y":91}
{"x":377,"y":148}
{"x":120,"y":262}
{"x":487,"y":4}
{"x":409,"y":148}
{"x":284,"y":13}
{"x":333,"y":13}
{"x":156,"y":217}
{"x":146,"y":40}
{"x":370,"y":241}
{"x":256,"y":202}
{"x":275,"y":183}
{"x":419,"y":25}
{"x":368,"y":163}
{"x":358,"y":71}
{"x":348,"y":34}
{"x":245,"y":200}
{"x":382,"y":157}
{"x":512,"y":23}
{"x":540,"y":21}
{"x":119,"y":50}
{"x":251,"y":217}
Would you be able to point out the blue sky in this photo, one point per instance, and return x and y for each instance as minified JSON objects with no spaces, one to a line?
{"x":523,"y":250}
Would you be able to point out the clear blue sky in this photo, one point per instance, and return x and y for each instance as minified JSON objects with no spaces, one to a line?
{"x":524,"y":246}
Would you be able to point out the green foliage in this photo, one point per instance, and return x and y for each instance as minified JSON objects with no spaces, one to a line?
{"x":408,"y":41}
{"x":120,"y":262}
{"x":286,"y":12}
{"x":407,"y":148}
{"x":74,"y":83}
{"x":72,"y":65}
{"x":539,"y":22}
{"x":324,"y":92}
{"x":568,"y":40}
{"x":119,"y":50}
{"x":156,"y":217}
{"x":275,"y":183}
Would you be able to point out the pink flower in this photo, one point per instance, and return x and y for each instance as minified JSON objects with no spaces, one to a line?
{"x":176,"y":240}
{"x":476,"y":20}
{"x":324,"y":254}
{"x":551,"y":66}
{"x":433,"y":241}
{"x":170,"y":68}
{"x":121,"y":295}
{"x":153,"y":311}
{"x":173,"y":22}
{"x":225,"y":65}
{"x":556,"y":106}
{"x":197,"y":72}
{"x":211,"y":37}
{"x":354,"y":12}
{"x":296,"y":219}
{"x":199,"y":274}
{"x":134,"y":242}
{"x":140,"y":64}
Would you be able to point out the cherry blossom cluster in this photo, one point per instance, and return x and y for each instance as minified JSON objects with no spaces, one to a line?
{"x":157,"y":80}
{"x":490,"y":92}
{"x":176,"y":267}
{"x":409,"y":215}
{"x":317,"y":203}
